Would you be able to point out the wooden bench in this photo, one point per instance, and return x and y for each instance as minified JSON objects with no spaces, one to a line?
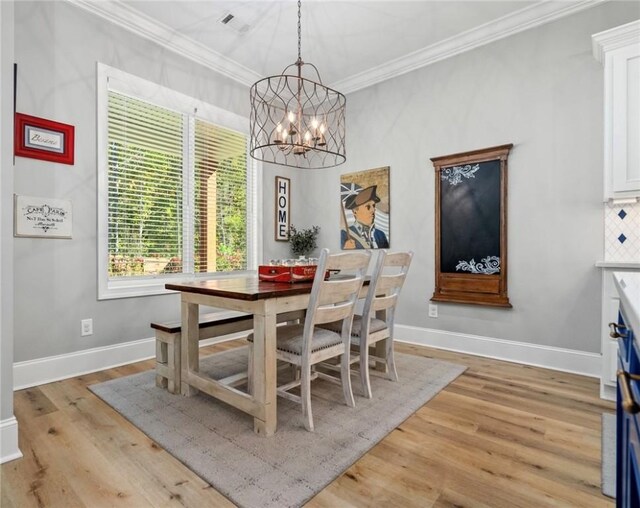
{"x":217,"y":324}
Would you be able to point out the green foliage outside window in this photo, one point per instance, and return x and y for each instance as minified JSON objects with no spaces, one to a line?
{"x":141,"y":226}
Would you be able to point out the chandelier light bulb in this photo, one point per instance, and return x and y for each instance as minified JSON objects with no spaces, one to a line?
{"x":321,"y":140}
{"x":277,"y":139}
{"x":292,"y":128}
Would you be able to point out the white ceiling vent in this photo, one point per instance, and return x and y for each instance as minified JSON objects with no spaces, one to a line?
{"x":234,"y":23}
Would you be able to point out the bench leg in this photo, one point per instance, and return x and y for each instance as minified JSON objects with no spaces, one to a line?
{"x":174,"y":358}
{"x":168,"y":361}
{"x":161,"y":357}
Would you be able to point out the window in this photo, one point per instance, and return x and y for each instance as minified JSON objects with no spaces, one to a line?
{"x":177,"y":190}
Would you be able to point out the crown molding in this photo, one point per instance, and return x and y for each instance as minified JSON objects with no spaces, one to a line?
{"x":529,"y":17}
{"x":133,"y":20}
{"x":519,"y":21}
{"x":615,"y":38}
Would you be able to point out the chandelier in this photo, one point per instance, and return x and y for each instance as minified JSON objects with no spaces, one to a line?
{"x":297,"y":121}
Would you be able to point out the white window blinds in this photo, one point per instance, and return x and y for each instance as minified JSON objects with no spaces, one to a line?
{"x":220,"y":211}
{"x":177,"y":192}
{"x":145,"y":187}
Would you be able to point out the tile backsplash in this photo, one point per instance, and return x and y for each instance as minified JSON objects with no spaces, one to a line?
{"x":622,"y":233}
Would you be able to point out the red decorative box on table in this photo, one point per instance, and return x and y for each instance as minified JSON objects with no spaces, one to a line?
{"x":276,"y":273}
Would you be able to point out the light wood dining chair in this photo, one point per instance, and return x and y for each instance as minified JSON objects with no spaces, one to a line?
{"x":376,"y":322}
{"x":305,"y":345}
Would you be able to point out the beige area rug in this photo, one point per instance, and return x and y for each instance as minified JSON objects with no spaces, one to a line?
{"x":217,"y":442}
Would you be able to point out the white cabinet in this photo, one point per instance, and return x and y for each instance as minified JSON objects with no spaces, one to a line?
{"x":618,"y":50}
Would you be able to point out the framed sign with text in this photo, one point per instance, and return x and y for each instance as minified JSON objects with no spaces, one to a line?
{"x":283,"y":207}
{"x":36,"y":217}
{"x":471,"y":227}
{"x":43,"y":139}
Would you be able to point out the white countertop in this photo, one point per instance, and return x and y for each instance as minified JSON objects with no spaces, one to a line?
{"x":618,"y":264}
{"x":628,"y":286}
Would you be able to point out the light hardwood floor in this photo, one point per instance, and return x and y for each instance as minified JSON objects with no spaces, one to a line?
{"x":502,"y":434}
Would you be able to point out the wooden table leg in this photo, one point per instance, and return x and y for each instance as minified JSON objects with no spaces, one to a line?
{"x":264,"y":368}
{"x":189,"y":345}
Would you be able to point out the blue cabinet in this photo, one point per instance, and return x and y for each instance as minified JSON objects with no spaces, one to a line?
{"x":628,"y":419}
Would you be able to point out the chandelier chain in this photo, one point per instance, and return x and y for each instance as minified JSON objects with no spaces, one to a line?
{"x":299,"y":30}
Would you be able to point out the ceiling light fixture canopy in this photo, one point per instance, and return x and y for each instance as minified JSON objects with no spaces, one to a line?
{"x":297,"y":121}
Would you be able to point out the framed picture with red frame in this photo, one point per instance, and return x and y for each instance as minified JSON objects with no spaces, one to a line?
{"x":43,"y":139}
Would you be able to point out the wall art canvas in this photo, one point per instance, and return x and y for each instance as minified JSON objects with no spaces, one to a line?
{"x":42,"y":217}
{"x":365,"y":210}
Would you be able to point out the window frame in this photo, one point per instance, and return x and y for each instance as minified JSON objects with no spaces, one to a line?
{"x":111,"y":79}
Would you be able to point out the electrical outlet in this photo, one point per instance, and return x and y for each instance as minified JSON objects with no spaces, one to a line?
{"x":86,"y":327}
{"x":433,"y":310}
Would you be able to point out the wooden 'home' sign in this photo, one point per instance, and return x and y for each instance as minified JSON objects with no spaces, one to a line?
{"x":471,"y":227}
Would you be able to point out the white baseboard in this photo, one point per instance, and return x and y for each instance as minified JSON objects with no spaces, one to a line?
{"x":9,"y":440}
{"x":608,"y":392}
{"x":566,"y":360}
{"x":54,"y":368}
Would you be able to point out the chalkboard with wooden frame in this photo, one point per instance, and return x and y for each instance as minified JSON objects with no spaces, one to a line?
{"x":471,"y":227}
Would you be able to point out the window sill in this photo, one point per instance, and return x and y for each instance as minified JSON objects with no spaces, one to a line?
{"x":134,"y":288}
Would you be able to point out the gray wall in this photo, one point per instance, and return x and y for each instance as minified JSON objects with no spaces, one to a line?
{"x":57,"y":47}
{"x":6,"y":211}
{"x":541,"y":90}
{"x":299,"y":196}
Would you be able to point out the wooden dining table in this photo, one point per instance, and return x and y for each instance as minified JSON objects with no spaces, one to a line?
{"x":265,"y":300}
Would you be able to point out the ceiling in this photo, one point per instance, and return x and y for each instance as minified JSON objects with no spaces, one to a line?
{"x":352,"y":43}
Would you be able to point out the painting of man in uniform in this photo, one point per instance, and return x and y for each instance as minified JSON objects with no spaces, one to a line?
{"x":364,"y":204}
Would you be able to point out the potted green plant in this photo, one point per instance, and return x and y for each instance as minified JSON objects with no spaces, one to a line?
{"x":303,"y":241}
